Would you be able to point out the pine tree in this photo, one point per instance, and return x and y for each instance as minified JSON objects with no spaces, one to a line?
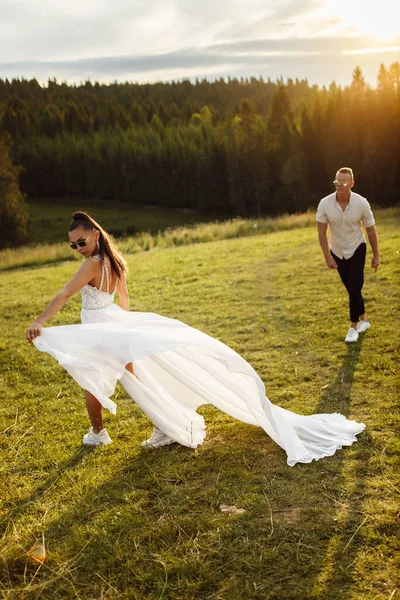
{"x":13,"y":210}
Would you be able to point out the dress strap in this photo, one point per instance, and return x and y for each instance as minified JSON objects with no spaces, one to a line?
{"x":107,"y":278}
{"x":102,"y":275}
{"x":104,"y":271}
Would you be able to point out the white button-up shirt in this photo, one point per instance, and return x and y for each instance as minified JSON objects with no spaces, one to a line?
{"x":346,"y":233}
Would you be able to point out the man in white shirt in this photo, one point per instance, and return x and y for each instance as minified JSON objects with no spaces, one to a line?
{"x":345,"y":212}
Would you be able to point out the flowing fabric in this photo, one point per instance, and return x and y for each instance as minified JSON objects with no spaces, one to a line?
{"x":178,"y":368}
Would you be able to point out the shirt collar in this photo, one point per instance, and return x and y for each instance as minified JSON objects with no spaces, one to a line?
{"x":336,"y":202}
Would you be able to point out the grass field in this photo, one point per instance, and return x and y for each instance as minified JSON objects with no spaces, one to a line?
{"x":49,"y":219}
{"x":119,"y":522}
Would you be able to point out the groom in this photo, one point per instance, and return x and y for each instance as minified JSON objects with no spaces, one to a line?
{"x":345,"y":211}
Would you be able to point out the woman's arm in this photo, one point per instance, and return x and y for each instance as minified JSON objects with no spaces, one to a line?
{"x":123,"y":294}
{"x":85,"y":273}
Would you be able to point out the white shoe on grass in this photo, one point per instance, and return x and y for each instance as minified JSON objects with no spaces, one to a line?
{"x":157,"y":439}
{"x":363,"y":326}
{"x":95,"y":439}
{"x":352,"y":335}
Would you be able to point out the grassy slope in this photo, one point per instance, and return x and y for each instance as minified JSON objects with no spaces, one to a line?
{"x":48,"y":219}
{"x":122,"y":523}
{"x":50,"y":253}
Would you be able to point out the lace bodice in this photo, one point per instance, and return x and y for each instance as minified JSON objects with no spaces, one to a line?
{"x":93,"y":298}
{"x":96,"y":298}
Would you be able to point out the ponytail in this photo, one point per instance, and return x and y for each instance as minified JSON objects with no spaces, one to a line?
{"x":106,"y":242}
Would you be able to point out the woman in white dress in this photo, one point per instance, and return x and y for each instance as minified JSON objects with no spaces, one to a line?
{"x":167,"y":367}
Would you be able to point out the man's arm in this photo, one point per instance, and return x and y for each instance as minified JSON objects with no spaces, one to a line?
{"x":323,"y":242}
{"x":373,"y":240}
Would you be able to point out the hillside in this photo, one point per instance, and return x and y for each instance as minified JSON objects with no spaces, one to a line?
{"x":123,"y":523}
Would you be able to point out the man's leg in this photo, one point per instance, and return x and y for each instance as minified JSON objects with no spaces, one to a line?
{"x":343,"y":266}
{"x":356,"y":282}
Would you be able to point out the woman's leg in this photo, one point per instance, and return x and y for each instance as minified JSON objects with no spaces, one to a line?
{"x":129,"y":367}
{"x":95,"y":413}
{"x":94,"y":407}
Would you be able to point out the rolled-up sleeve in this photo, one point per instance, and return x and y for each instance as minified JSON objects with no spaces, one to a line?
{"x":321,"y":213}
{"x":367,"y":216}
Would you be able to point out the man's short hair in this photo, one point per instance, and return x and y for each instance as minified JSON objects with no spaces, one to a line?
{"x":346,"y":170}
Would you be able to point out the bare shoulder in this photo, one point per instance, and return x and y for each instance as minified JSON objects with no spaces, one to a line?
{"x":90,"y":264}
{"x":93,"y":260}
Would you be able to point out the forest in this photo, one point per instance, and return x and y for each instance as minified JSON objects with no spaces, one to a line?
{"x":236,"y":147}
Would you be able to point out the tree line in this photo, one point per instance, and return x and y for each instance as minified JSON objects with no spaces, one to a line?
{"x":235,"y":147}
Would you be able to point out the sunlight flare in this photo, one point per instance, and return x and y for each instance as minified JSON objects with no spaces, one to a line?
{"x":381,"y":20}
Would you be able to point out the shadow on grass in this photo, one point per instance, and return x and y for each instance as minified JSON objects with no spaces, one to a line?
{"x":44,"y":488}
{"x":35,"y":264}
{"x":337,"y":397}
{"x":335,"y":578}
{"x":154,"y":528}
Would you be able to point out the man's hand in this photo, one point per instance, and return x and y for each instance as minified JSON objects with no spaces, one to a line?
{"x":375,"y":262}
{"x":33,"y":331}
{"x":331,"y":263}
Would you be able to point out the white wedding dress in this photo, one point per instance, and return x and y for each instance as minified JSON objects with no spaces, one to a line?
{"x":177,"y":369}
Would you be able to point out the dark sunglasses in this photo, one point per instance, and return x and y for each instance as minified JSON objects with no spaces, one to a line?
{"x":81,"y":243}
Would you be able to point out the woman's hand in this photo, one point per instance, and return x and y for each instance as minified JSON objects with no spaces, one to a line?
{"x":33,"y":331}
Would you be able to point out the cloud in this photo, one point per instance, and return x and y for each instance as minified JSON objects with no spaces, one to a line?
{"x":321,"y":45}
{"x":105,"y":40}
{"x":301,"y":58}
{"x":48,"y":29}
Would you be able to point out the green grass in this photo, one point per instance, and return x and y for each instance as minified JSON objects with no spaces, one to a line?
{"x":123,"y":523}
{"x":49,"y":218}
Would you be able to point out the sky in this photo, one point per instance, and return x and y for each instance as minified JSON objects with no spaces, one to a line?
{"x":163,"y":40}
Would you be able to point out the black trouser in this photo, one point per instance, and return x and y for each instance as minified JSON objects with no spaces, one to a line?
{"x":351,"y":271}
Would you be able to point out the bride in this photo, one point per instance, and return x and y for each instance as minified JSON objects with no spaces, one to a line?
{"x":167,"y":367}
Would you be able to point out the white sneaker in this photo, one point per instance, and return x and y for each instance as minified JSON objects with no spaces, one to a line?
{"x":363,"y":326}
{"x":352,"y":335}
{"x":157,"y":439}
{"x":95,"y":439}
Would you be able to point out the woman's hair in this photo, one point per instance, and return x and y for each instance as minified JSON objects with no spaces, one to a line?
{"x":106,"y":243}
